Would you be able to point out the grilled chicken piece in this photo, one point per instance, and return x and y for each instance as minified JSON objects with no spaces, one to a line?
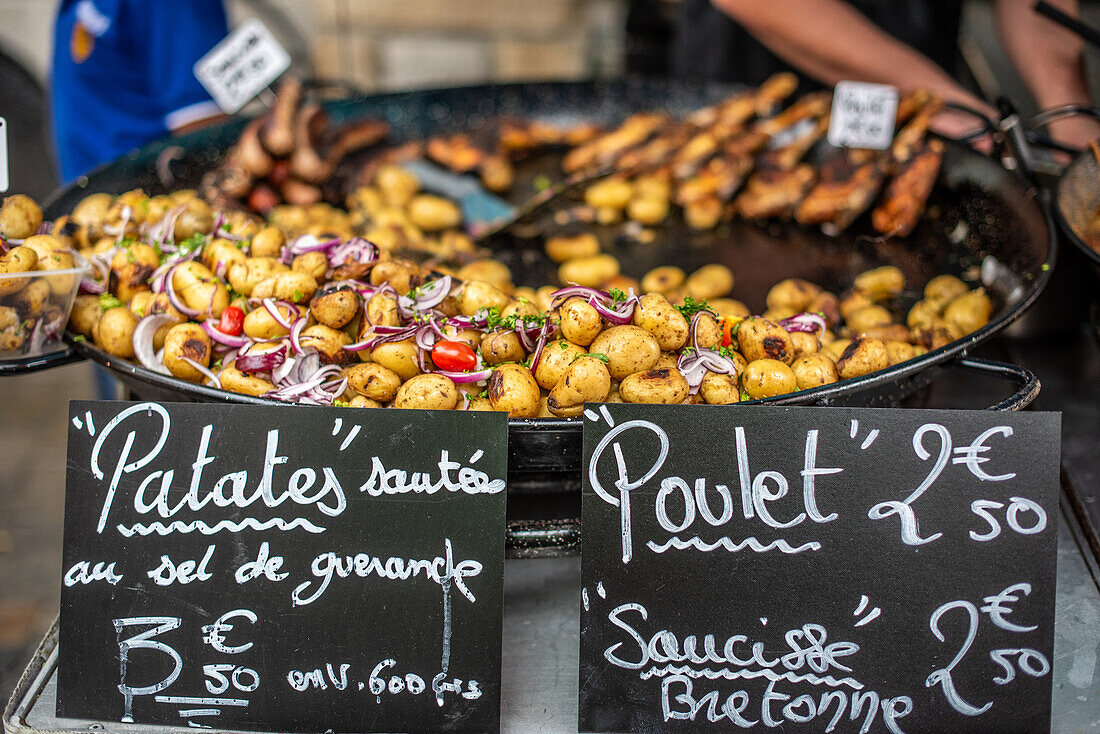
{"x":813,"y":105}
{"x":774,"y":193}
{"x":789,"y":146}
{"x":456,"y":152}
{"x":772,"y":92}
{"x":851,"y":179}
{"x":849,"y":184}
{"x":908,"y":192}
{"x":634,"y":131}
{"x":911,"y":135}
{"x":657,"y":151}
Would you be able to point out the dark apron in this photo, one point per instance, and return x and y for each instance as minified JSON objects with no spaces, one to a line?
{"x":708,"y":45}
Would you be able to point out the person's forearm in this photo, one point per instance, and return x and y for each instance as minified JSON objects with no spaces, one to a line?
{"x":1047,"y":56}
{"x":830,"y":40}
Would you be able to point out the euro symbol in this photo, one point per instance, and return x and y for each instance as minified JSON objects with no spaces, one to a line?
{"x":970,"y":455}
{"x":994,"y":607}
{"x":213,"y":632}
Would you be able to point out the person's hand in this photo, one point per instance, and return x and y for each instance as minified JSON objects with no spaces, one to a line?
{"x":955,"y":124}
{"x":1076,"y":132}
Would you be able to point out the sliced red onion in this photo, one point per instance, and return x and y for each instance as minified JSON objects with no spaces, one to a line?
{"x":426,"y":337}
{"x":428,"y":296}
{"x":174,"y":299}
{"x":144,"y":332}
{"x":164,"y":231}
{"x":616,"y":313}
{"x":559,"y":296}
{"x":219,"y":232}
{"x":384,"y":335}
{"x":282,"y":371}
{"x":296,"y":333}
{"x":463,"y":377}
{"x":622,"y":313}
{"x":357,"y":249}
{"x":307,"y":243}
{"x":262,"y":361}
{"x":205,"y":371}
{"x":120,"y":230}
{"x":696,"y":364}
{"x":210,"y":326}
{"x":88,"y":285}
{"x":548,"y":328}
{"x":805,"y":322}
{"x":272,"y":308}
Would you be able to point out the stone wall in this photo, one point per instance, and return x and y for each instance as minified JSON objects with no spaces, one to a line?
{"x":396,"y":44}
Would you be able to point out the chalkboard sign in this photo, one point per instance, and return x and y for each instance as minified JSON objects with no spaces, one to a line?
{"x":846,"y":570}
{"x":283,"y":569}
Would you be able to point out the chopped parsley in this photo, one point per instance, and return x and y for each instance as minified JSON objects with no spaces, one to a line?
{"x":192,"y":243}
{"x":726,"y":352}
{"x":617,"y":296}
{"x":600,"y":356}
{"x":297,"y":295}
{"x":80,"y":338}
{"x":691,"y":307}
{"x":745,"y":395}
{"x":107,"y":301}
{"x":493,"y":320}
{"x":541,"y":182}
{"x":484,"y":394}
{"x":338,"y":403}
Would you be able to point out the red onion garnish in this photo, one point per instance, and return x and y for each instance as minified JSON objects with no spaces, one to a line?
{"x":463,"y":377}
{"x":696,"y":364}
{"x":357,"y":249}
{"x":205,"y":371}
{"x":210,"y":326}
{"x":174,"y":299}
{"x":547,"y":330}
{"x":144,"y":332}
{"x":296,"y":333}
{"x":805,"y":322}
{"x":247,"y":361}
{"x":307,"y":243}
{"x":272,"y":308}
{"x":88,"y":285}
{"x":616,"y":312}
{"x":426,"y":297}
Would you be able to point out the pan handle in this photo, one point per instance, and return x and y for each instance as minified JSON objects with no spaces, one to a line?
{"x":37,"y":364}
{"x":1027,"y":384}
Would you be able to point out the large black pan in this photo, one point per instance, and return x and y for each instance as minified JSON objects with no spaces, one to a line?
{"x":1077,"y":201}
{"x":981,"y":218}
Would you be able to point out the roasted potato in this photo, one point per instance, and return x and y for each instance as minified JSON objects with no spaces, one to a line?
{"x":666,"y":386}
{"x":628,"y":349}
{"x":427,"y":392}
{"x":513,"y":389}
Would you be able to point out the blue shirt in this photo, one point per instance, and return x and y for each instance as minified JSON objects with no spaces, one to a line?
{"x":123,"y":74}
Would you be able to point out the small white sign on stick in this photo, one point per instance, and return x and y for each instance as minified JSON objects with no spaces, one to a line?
{"x":242,"y":65}
{"x":863,"y":115}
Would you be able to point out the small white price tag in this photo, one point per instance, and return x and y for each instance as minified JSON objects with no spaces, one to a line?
{"x":3,"y":155}
{"x":242,"y":65}
{"x":863,"y":115}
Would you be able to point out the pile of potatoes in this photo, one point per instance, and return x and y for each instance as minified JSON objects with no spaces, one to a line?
{"x":584,"y":359}
{"x":32,"y":294}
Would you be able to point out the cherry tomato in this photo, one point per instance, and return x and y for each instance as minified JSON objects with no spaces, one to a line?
{"x":729,"y":330}
{"x":232,"y":321}
{"x":454,"y":356}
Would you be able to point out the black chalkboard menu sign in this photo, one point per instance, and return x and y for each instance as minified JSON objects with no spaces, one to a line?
{"x":810,"y":570}
{"x":283,"y":569}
